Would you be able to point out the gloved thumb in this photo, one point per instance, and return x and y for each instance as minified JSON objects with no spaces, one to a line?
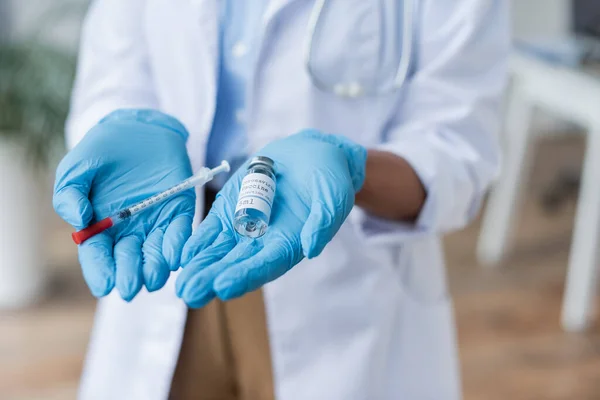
{"x":330,"y":207}
{"x":74,"y":177}
{"x":73,"y":205}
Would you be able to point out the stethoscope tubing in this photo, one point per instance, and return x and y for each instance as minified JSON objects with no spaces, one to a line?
{"x":403,"y":66}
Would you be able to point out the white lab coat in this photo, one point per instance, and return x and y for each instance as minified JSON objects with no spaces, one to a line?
{"x":370,"y":319}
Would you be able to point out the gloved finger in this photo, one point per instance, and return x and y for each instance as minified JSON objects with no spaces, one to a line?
{"x":176,"y":234}
{"x":98,"y":264}
{"x":155,"y":268}
{"x":275,"y":259}
{"x":128,"y":260}
{"x":204,"y":236}
{"x":222,"y":245}
{"x":72,"y":205}
{"x":327,"y":213}
{"x":199,"y":286}
{"x":71,"y":190}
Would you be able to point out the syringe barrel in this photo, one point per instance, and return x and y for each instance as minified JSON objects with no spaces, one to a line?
{"x":200,"y":178}
{"x":160,"y":197}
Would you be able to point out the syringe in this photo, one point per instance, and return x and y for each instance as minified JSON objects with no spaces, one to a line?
{"x":203,"y":176}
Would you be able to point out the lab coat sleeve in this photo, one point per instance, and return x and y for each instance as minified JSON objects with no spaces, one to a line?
{"x":447,"y":123}
{"x":113,"y":70}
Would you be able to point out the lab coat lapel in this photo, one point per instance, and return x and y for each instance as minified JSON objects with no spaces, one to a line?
{"x":207,"y":12}
{"x":208,"y":18}
{"x":274,"y":7}
{"x":206,"y":59}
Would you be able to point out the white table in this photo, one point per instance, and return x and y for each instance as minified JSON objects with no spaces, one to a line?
{"x":572,"y":94}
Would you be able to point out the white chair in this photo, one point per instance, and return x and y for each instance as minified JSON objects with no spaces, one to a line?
{"x":573,"y":95}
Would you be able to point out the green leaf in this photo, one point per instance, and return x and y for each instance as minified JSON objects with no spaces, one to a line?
{"x":35,"y":88}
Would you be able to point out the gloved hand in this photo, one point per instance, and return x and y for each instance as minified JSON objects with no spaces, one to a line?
{"x":317,"y":178}
{"x":128,"y":156}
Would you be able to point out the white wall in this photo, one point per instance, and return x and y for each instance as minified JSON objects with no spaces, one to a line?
{"x":541,"y":17}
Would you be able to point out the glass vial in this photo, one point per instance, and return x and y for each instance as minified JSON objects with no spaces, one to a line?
{"x":253,"y":209}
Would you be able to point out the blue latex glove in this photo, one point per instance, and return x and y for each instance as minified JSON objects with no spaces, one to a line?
{"x":317,"y":178}
{"x":129,"y":156}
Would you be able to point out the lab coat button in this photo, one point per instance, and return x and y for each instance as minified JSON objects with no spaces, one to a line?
{"x":355,"y":89}
{"x":239,"y":50}
{"x":340,"y":89}
{"x":240,"y":116}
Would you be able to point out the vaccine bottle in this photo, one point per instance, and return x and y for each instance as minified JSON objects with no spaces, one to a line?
{"x":255,"y":201}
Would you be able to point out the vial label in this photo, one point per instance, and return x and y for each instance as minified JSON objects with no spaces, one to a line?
{"x":257,"y":192}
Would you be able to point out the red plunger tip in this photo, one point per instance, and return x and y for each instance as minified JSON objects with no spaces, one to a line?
{"x":84,"y":234}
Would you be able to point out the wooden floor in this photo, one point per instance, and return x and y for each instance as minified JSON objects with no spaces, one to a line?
{"x":511,"y":343}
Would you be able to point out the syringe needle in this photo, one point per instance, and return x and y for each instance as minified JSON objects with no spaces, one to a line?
{"x":201,"y":178}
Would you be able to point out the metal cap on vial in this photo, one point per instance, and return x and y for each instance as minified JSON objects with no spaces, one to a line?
{"x":261,"y":160}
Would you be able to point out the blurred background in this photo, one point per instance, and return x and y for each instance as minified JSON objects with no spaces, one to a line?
{"x":522,"y":276}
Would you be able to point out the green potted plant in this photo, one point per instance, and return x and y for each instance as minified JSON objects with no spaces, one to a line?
{"x":35,"y":85}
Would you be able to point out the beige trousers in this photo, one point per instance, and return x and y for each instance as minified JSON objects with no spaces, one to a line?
{"x":225,"y":353}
